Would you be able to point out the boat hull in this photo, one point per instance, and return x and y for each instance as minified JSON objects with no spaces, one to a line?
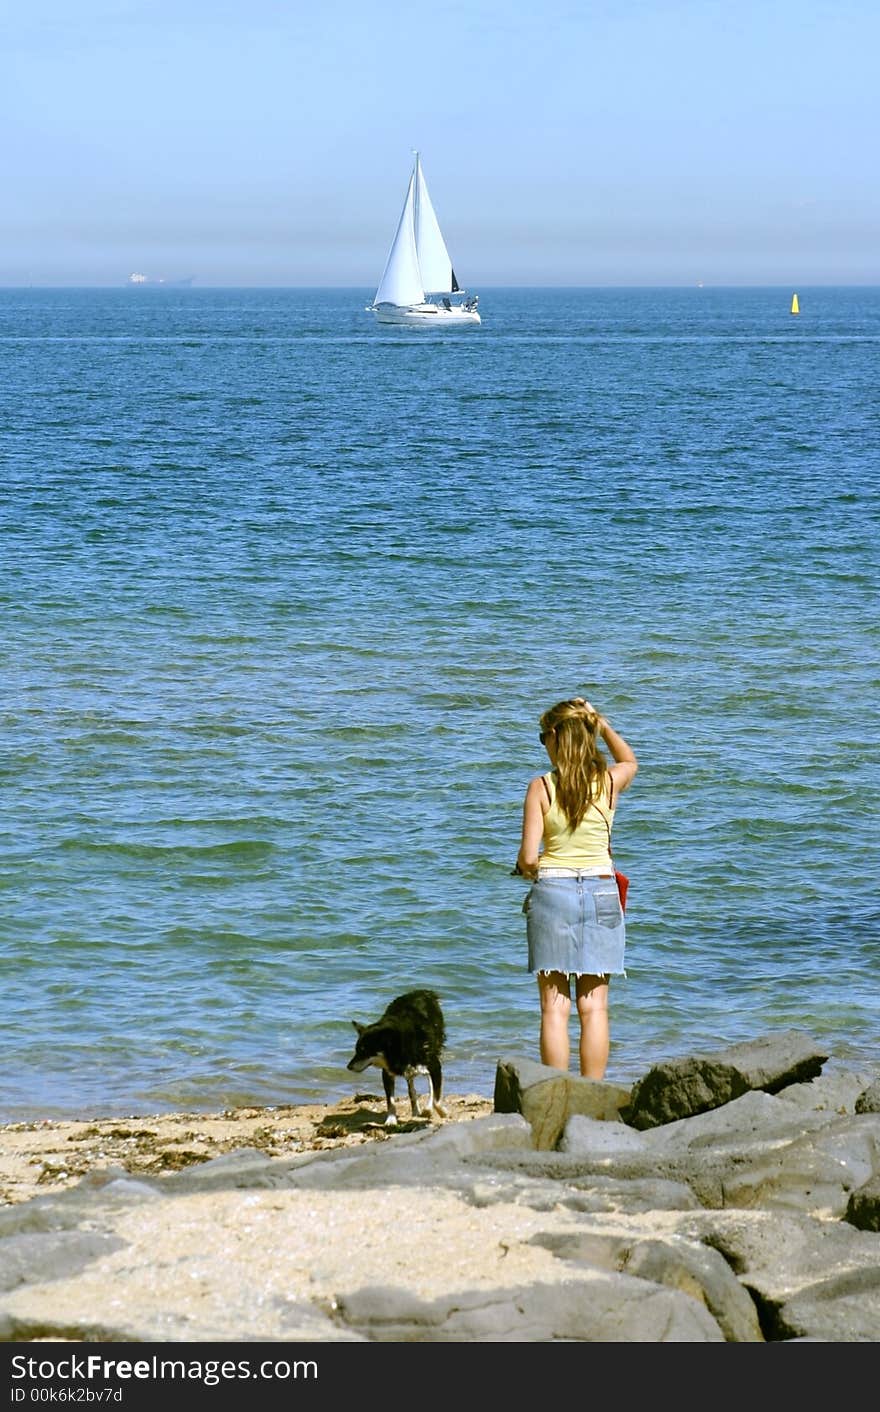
{"x":427,"y":316}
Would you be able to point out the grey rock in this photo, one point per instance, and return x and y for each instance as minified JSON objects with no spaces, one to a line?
{"x":428,"y":1155}
{"x":754,"y":1151}
{"x":306,"y":1323}
{"x":63,"y":1210}
{"x":681,"y":1088}
{"x":593,"y":1193}
{"x":233,"y":1169}
{"x":675,"y":1262}
{"x":130,"y":1189}
{"x":808,"y":1278}
{"x":803,"y":1279}
{"x":499,"y":1132}
{"x":50,"y":1255}
{"x":703,"y":1274}
{"x":816,"y":1173}
{"x":775,"y":1060}
{"x":590,"y":1137}
{"x":596,"y":1308}
{"x":627,"y":1197}
{"x":837,"y":1091}
{"x":438,"y":1156}
{"x":746,"y":1125}
{"x":835,"y":1311}
{"x":548,"y":1097}
{"x":869,"y":1100}
{"x":863,"y":1207}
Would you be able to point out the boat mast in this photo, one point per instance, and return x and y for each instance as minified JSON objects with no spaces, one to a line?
{"x":417,"y":189}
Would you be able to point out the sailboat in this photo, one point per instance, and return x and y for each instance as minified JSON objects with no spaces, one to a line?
{"x":795,"y":306}
{"x":418,"y":265}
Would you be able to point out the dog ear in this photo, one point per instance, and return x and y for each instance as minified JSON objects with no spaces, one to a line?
{"x":360,"y":1028}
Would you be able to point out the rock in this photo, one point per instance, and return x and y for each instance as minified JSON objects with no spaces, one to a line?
{"x":548,"y":1097}
{"x":808,"y":1279}
{"x":694,"y":1269}
{"x":681,"y":1088}
{"x":755,"y":1151}
{"x":815,"y":1173}
{"x":50,"y":1255}
{"x":232,"y":1169}
{"x":863,"y":1207}
{"x":869,"y":1100}
{"x":838,"y":1092}
{"x":590,"y":1137}
{"x":595,"y":1308}
{"x":776,"y":1060}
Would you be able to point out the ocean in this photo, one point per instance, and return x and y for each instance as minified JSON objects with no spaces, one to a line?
{"x":284,"y":593}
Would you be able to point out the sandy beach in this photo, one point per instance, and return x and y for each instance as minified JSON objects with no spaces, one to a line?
{"x":48,"y":1155}
{"x":730,"y":1197}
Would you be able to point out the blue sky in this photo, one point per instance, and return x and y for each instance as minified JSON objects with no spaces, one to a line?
{"x":268,"y":142}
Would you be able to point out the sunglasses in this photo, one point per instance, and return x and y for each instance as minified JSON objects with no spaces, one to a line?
{"x":542,"y":735}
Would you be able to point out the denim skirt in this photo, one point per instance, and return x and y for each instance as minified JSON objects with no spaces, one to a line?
{"x":575,"y":924}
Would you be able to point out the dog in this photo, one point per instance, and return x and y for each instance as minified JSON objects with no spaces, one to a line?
{"x":406,"y":1040}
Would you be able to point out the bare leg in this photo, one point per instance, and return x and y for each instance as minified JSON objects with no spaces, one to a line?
{"x":555,"y":994}
{"x":592,"y":1006}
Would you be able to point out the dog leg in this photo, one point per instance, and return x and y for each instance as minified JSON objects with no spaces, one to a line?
{"x":388,"y":1085}
{"x":436,"y":1076}
{"x":413,"y":1095}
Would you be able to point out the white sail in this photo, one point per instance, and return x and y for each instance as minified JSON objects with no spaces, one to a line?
{"x":401,"y":282}
{"x":435,"y":266}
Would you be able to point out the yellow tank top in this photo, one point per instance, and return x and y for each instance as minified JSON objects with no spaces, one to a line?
{"x":589,"y":845}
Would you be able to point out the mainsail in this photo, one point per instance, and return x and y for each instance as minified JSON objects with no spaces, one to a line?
{"x":401,"y":282}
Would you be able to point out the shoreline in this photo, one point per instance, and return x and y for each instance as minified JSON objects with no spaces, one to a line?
{"x":47,"y":1155}
{"x":44,"y":1155}
{"x":727,"y":1197}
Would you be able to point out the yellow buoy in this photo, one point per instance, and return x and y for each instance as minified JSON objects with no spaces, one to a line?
{"x":795,"y":306}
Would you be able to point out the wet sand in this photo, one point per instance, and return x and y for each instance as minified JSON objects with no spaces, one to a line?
{"x":48,"y":1155}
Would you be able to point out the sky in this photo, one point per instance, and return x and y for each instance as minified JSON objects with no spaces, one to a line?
{"x":564,"y":142}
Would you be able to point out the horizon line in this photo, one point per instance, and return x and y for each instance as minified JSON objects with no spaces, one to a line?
{"x":359,"y":288}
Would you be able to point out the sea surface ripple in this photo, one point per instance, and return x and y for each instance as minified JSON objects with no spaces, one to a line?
{"x":284,"y":594}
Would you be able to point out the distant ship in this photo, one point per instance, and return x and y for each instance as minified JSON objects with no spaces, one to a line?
{"x":140,"y":280}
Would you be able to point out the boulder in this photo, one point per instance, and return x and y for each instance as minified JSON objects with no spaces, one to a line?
{"x":548,"y":1097}
{"x":869,"y":1100}
{"x":863,"y":1207}
{"x":681,"y":1088}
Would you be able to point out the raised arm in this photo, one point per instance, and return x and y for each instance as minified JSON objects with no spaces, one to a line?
{"x":623,"y":771}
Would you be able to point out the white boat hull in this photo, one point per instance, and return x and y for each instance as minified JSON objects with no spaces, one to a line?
{"x":426,"y":315}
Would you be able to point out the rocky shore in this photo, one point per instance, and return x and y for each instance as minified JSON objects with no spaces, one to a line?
{"x":729,"y":1197}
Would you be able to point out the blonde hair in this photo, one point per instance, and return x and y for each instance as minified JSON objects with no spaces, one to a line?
{"x":581,"y":767}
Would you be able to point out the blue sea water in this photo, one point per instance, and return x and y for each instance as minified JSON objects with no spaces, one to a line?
{"x":283,"y":595}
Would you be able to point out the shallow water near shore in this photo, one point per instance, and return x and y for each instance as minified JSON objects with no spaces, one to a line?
{"x":284,"y":594}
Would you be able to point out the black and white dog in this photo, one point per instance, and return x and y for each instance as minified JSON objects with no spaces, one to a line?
{"x":406,"y":1040}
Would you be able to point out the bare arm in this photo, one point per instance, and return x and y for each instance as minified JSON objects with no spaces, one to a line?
{"x":623,"y":771}
{"x":532,"y":829}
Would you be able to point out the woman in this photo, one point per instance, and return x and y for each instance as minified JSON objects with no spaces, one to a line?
{"x":575,"y":924}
